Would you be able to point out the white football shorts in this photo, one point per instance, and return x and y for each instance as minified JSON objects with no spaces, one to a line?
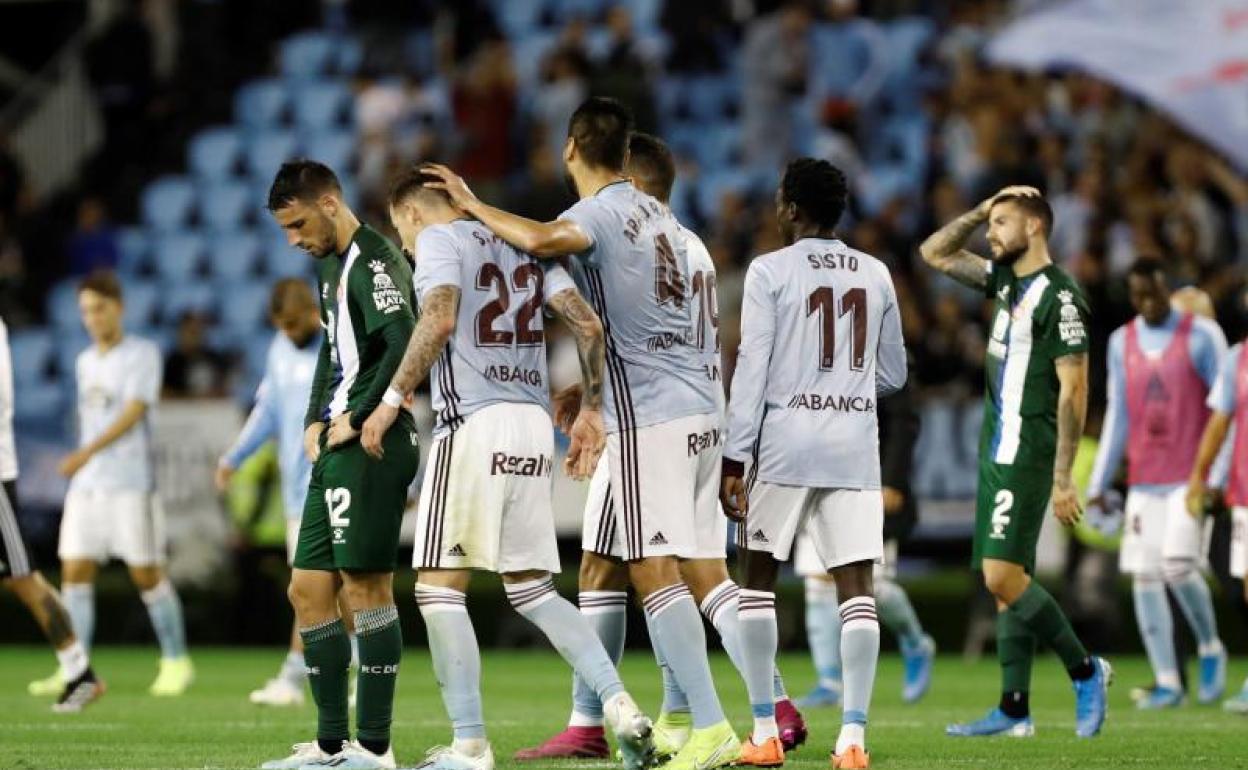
{"x":844,"y":525}
{"x":1156,"y":527}
{"x":1239,"y":541}
{"x":102,"y":524}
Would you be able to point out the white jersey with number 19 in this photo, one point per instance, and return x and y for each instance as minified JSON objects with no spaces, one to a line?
{"x":636,"y":275}
{"x":820,"y":338}
{"x":704,"y":301}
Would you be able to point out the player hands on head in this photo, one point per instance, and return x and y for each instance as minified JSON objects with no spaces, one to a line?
{"x":349,"y":531}
{"x":1036,"y":385}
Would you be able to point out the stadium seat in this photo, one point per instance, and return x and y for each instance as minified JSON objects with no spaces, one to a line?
{"x":233,"y":254}
{"x":267,"y":150}
{"x":141,"y":299}
{"x":518,"y":19}
{"x":68,"y":348}
{"x":713,"y":187}
{"x":178,"y":256}
{"x":719,"y":145}
{"x":167,"y":202}
{"x":214,"y":153}
{"x":62,"y":306}
{"x":527,"y":54}
{"x":32,"y":351}
{"x":38,"y":402}
{"x":646,"y":13}
{"x":307,"y":55}
{"x":335,"y":149}
{"x":244,"y":305}
{"x":179,"y":298}
{"x":348,"y":56}
{"x":713,"y":97}
{"x":321,"y":105}
{"x":224,"y":205}
{"x":590,"y":10}
{"x":132,"y":245}
{"x":281,"y":259}
{"x":261,"y":104}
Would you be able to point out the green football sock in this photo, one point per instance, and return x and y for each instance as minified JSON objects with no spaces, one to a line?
{"x":328,"y":656}
{"x":1016,"y":648}
{"x":381,"y":646}
{"x":1040,"y":612}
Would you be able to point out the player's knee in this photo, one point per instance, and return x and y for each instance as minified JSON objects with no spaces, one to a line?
{"x":650,"y":575}
{"x":761,"y":569}
{"x":77,"y":572}
{"x":1004,"y":583}
{"x":600,"y":573}
{"x":1148,"y":579}
{"x":363,"y":594}
{"x":854,"y":580}
{"x":145,"y":578}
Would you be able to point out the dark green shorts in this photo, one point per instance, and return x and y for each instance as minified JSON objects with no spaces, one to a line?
{"x":355,"y":504}
{"x":1009,"y":508}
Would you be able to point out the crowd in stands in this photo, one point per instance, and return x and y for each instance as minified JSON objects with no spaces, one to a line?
{"x":895,"y":93}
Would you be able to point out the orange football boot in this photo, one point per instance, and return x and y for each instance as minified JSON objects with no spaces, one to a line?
{"x":769,"y":754}
{"x":854,"y":758}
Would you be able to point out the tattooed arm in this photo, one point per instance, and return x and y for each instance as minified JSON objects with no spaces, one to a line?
{"x":436,"y":325}
{"x":1072,"y":409}
{"x":576,"y":314}
{"x":943,"y":249}
{"x":588,"y":435}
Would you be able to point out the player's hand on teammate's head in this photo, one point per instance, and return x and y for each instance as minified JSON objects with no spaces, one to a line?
{"x":588,"y":439}
{"x":312,"y":440}
{"x":340,"y":431}
{"x":442,"y":178}
{"x":567,"y":404}
{"x":733,"y":498}
{"x":375,"y":428}
{"x":1065,"y":502}
{"x":73,"y":462}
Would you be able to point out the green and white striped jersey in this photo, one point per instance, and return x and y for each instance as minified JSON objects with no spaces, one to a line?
{"x":1036,"y":319}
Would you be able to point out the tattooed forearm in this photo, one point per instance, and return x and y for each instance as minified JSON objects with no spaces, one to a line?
{"x":943,"y":251}
{"x":581,"y":320}
{"x":55,"y":621}
{"x":436,"y":324}
{"x":1072,"y":409}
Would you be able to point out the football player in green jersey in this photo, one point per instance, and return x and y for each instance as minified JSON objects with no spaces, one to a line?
{"x":1035,"y":402}
{"x":349,"y":533}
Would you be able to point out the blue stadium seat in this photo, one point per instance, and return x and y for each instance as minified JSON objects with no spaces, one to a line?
{"x":527,"y":53}
{"x":307,"y":54}
{"x":590,"y":10}
{"x":233,"y":254}
{"x":225,"y":205}
{"x":267,"y":150}
{"x":261,"y":104}
{"x":38,"y":401}
{"x":713,"y":97}
{"x":321,"y":105}
{"x":63,"y":306}
{"x":141,"y":299}
{"x":214,"y":153}
{"x":841,"y":53}
{"x":518,"y":19}
{"x":244,"y":305}
{"x":33,"y":352}
{"x":281,"y":259}
{"x":167,"y":202}
{"x":179,"y":298}
{"x":719,"y":146}
{"x":713,"y":187}
{"x":132,"y":247}
{"x":69,"y":346}
{"x":645,"y":13}
{"x":884,"y":183}
{"x":178,"y":256}
{"x":335,"y":149}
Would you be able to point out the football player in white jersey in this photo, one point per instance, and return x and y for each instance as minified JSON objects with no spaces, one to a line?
{"x":820,"y":342}
{"x":487,"y":503}
{"x":603,"y":574}
{"x":112,"y":509}
{"x":18,"y":572}
{"x":664,"y":428}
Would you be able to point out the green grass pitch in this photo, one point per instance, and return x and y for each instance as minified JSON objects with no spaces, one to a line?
{"x":526,"y":697}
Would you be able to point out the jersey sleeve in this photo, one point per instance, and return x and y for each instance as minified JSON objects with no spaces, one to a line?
{"x":439,"y":260}
{"x":1222,"y":395}
{"x":1113,"y":443}
{"x":381,"y":286}
{"x":1064,"y":327}
{"x":1207,"y":349}
{"x":555,"y":278}
{"x":890,"y":355}
{"x":749,"y":381}
{"x":594,"y":219}
{"x":142,"y":382}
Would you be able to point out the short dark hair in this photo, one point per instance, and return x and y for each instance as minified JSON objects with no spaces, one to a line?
{"x":301,"y":180}
{"x":1032,"y":206}
{"x":600,"y":127}
{"x":1149,"y":267}
{"x":289,"y":291}
{"x":651,"y":164}
{"x":103,"y":282}
{"x":818,"y":189}
{"x":412,"y":180}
